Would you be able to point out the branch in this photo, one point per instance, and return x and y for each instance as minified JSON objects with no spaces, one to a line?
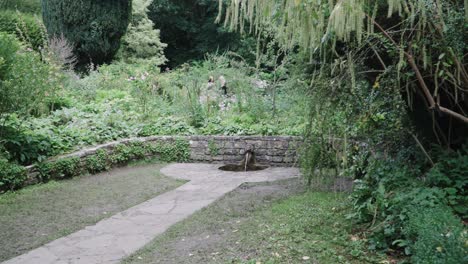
{"x":422,"y":84}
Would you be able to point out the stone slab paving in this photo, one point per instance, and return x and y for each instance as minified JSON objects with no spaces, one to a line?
{"x":114,"y":238}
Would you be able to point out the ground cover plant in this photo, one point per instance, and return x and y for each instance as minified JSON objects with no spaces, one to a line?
{"x":39,"y":214}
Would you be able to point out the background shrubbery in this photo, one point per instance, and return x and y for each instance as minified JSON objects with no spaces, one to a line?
{"x":26,"y":27}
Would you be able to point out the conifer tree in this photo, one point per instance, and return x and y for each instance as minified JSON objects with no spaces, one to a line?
{"x":94,"y":27}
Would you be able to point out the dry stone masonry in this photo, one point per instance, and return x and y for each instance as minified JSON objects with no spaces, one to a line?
{"x":271,"y":150}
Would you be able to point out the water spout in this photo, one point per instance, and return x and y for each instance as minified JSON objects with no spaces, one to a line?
{"x":247,"y":164}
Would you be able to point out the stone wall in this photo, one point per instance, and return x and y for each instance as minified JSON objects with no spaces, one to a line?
{"x":271,"y":150}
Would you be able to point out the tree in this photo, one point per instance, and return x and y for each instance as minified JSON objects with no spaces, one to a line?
{"x":188,"y":29}
{"x":420,"y":41}
{"x":142,"y":40}
{"x":94,"y":27}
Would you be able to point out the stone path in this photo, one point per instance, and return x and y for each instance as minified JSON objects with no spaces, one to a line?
{"x":114,"y":238}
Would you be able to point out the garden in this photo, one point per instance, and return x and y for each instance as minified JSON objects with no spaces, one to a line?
{"x":376,"y":90}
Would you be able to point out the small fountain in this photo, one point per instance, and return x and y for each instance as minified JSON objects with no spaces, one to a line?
{"x":247,"y":164}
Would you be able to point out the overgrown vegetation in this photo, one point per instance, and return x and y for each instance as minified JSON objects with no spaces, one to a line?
{"x":388,"y":108}
{"x":14,"y":176}
{"x":378,"y":89}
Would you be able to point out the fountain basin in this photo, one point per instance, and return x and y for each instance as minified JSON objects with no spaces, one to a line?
{"x":240,"y":167}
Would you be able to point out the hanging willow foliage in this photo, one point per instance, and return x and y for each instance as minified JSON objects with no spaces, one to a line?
{"x":308,"y":23}
{"x":312,"y":24}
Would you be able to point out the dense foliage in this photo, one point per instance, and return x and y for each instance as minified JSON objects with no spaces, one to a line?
{"x":26,"y":27}
{"x":25,"y":6}
{"x":389,"y":109}
{"x":188,"y":29}
{"x":142,"y":41}
{"x":93,"y":27}
{"x":27,"y":82}
{"x":378,"y":88}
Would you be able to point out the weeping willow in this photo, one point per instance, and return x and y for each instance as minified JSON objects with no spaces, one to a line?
{"x":312,"y":25}
{"x":307,"y":22}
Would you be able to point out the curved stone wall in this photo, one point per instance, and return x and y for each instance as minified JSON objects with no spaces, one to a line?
{"x":269,"y":150}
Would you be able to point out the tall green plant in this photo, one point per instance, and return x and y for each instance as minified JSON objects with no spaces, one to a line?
{"x":26,"y":81}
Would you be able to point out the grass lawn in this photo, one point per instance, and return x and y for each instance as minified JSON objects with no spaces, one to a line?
{"x":39,"y":214}
{"x":263,"y":223}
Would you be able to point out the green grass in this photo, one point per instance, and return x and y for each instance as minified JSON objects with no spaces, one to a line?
{"x":258,"y":224}
{"x":39,"y":214}
{"x":309,"y":228}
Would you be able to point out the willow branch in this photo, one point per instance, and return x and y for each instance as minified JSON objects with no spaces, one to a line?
{"x":422,"y":84}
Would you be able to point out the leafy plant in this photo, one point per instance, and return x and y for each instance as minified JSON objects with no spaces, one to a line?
{"x":60,"y":169}
{"x":26,"y":27}
{"x":97,"y":162}
{"x":436,"y":235}
{"x":96,"y":35}
{"x":12,"y":176}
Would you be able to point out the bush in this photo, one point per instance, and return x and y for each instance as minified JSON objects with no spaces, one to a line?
{"x":410,"y":213}
{"x":97,"y":162}
{"x":27,"y":81}
{"x":26,"y":147}
{"x":450,"y":174}
{"x":23,"y":145}
{"x":12,"y":176}
{"x":123,"y":154}
{"x":176,"y":151}
{"x":8,"y":48}
{"x":26,"y":6}
{"x":27,"y":28}
{"x":437,"y":236}
{"x":60,"y":169}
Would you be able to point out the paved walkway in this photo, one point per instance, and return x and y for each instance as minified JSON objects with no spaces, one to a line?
{"x":114,"y":238}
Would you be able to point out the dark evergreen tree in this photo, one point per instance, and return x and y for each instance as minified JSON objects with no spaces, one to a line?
{"x":94,"y":27}
{"x":188,"y":28}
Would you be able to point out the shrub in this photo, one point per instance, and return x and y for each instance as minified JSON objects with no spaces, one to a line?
{"x":60,"y":169}
{"x":179,"y":151}
{"x":24,"y":146}
{"x":27,"y":28}
{"x":27,"y":81}
{"x":436,"y":235}
{"x":450,"y":174}
{"x":123,"y":153}
{"x":8,"y":48}
{"x":93,"y":27}
{"x":27,"y":6}
{"x":12,"y":176}
{"x":97,"y":162}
